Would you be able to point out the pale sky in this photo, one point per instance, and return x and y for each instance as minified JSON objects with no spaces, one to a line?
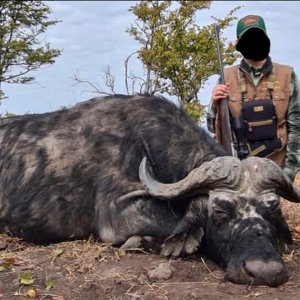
{"x":92,"y":35}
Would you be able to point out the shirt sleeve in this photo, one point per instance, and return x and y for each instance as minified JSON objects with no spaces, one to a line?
{"x":211,"y":114}
{"x":292,"y":160}
{"x":211,"y":117}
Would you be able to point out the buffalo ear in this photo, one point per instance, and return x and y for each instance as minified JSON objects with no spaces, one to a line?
{"x":288,"y":192}
{"x":282,"y":231}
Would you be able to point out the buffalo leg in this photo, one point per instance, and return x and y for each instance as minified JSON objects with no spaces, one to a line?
{"x":187,"y":235}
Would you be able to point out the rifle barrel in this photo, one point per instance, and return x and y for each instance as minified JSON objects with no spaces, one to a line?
{"x":220,"y":59}
{"x":225,"y":134}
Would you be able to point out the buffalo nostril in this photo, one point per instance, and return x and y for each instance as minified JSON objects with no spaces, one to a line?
{"x":255,"y":267}
{"x":273,"y":268}
{"x":267,"y":271}
{"x":259,"y":234}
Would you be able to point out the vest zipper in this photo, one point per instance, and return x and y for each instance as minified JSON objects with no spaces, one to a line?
{"x":259,"y":123}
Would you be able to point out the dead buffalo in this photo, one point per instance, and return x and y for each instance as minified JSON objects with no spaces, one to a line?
{"x":132,"y":168}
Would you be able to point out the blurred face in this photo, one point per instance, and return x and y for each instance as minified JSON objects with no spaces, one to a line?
{"x":254,"y":45}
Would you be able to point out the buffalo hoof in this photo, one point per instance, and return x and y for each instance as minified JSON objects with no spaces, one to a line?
{"x":145,"y":243}
{"x":132,"y":243}
{"x":182,"y":243}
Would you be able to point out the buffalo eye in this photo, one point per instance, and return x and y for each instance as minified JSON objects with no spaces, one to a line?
{"x":220,"y":214}
{"x":269,"y":203}
{"x":223,"y":212}
{"x":274,"y":203}
{"x":222,"y":208}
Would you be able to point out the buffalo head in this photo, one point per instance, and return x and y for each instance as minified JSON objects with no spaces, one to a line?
{"x":244,"y":229}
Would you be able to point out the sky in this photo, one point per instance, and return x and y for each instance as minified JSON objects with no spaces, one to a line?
{"x":92,"y":36}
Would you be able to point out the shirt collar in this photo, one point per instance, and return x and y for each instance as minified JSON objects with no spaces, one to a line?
{"x":265,"y":69}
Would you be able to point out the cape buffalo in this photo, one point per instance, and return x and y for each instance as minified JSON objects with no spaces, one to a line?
{"x":128,"y":168}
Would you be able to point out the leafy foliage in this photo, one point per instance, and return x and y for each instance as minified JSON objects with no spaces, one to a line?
{"x":178,"y":53}
{"x":22,"y":49}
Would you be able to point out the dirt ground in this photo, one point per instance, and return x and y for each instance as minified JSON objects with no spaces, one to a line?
{"x":89,"y":271}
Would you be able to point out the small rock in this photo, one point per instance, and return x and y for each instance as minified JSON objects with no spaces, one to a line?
{"x":162,"y":272}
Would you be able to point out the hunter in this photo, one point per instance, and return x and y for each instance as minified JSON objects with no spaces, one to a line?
{"x":264,"y":97}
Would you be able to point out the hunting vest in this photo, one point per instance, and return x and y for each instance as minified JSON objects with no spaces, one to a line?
{"x":274,"y":86}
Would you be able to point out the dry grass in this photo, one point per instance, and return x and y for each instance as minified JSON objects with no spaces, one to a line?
{"x":291,"y":211}
{"x":82,"y":255}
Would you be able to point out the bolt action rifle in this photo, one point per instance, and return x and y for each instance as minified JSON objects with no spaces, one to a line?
{"x":239,"y":148}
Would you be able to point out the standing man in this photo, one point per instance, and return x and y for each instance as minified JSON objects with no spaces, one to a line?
{"x":264,"y":97}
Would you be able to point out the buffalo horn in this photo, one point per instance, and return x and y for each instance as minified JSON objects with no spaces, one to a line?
{"x":266,"y":174}
{"x":221,"y":172}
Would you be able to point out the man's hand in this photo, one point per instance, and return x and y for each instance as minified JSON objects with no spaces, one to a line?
{"x":219,"y":92}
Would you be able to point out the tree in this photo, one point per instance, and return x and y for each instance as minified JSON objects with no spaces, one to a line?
{"x":178,"y":54}
{"x":22,"y":49}
{"x":107,"y":77}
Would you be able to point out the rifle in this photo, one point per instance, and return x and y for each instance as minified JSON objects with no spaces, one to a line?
{"x":225,"y":137}
{"x":225,"y":129}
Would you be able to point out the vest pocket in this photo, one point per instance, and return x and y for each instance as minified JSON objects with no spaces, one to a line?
{"x":278,"y":96}
{"x":260,"y":120}
{"x":261,"y":130}
{"x":281,"y":104}
{"x":264,"y":149}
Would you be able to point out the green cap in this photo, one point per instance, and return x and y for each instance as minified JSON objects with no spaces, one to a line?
{"x":249,"y":22}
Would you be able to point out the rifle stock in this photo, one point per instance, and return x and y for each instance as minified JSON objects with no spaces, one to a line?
{"x":225,"y":136}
